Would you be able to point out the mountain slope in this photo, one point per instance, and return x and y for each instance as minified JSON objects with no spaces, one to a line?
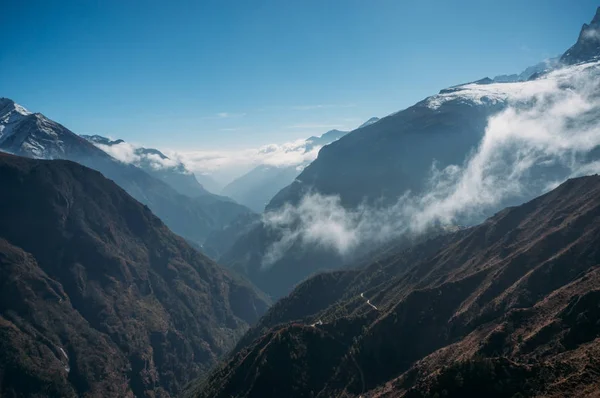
{"x":255,"y":188}
{"x":506,"y":307}
{"x":98,"y":297}
{"x":33,"y":135}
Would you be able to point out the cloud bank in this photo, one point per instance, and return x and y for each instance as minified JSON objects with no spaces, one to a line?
{"x":130,"y":153}
{"x":290,"y":154}
{"x":545,"y":135}
{"x":293,"y":153}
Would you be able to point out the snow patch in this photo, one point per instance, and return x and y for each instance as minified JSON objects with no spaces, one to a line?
{"x":494,"y":93}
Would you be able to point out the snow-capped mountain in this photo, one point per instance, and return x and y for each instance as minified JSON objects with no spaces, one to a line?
{"x":35,"y":136}
{"x":154,"y":162}
{"x":587,"y":47}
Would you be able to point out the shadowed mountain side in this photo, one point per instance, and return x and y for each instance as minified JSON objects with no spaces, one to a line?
{"x":99,"y":297}
{"x":512,"y":301}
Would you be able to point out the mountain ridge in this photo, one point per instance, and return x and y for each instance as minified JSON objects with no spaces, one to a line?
{"x":101,"y":298}
{"x":513,"y":296}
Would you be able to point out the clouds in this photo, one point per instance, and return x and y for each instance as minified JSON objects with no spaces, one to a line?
{"x":591,"y":34}
{"x":227,"y":164}
{"x":545,"y":134}
{"x":294,"y":153}
{"x":130,"y":153}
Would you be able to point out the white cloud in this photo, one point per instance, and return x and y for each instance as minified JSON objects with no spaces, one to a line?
{"x":539,"y":140}
{"x":591,"y":34}
{"x":279,"y":155}
{"x":129,"y":153}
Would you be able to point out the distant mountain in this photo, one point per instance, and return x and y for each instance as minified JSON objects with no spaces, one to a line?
{"x":369,"y":122}
{"x":508,"y":308}
{"x":33,"y":135}
{"x":209,"y":183}
{"x":158,"y":165}
{"x":405,"y":153}
{"x":256,"y":188}
{"x":98,"y":297}
{"x":542,"y":67}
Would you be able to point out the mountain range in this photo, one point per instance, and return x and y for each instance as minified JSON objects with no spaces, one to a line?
{"x":194,"y":217}
{"x":450,"y":249}
{"x":508,"y":308}
{"x":98,"y":297}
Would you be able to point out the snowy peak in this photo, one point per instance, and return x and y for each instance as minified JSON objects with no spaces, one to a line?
{"x":33,"y":135}
{"x":11,"y":114}
{"x":9,"y":106}
{"x":587,"y":47}
{"x":369,"y":122}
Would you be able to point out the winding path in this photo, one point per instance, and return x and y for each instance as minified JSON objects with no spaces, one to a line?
{"x":368,"y":302}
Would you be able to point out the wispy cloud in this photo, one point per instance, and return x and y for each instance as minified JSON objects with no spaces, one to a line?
{"x":292,"y":153}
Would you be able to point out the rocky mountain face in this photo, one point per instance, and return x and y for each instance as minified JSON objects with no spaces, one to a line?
{"x":33,"y":135}
{"x":98,"y":297}
{"x":587,"y":47}
{"x":506,"y":308}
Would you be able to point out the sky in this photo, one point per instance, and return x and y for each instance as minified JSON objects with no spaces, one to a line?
{"x":226,"y":75}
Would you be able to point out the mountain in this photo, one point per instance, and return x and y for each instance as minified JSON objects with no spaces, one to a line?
{"x":395,"y":154}
{"x":377,"y":163}
{"x":256,"y":188}
{"x":155,"y":163}
{"x":508,"y":308}
{"x":542,"y":67}
{"x":587,"y":47}
{"x":98,"y":297}
{"x":453,"y":150}
{"x":33,"y":135}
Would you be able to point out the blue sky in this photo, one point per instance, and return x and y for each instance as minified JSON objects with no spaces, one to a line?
{"x":233,"y":74}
